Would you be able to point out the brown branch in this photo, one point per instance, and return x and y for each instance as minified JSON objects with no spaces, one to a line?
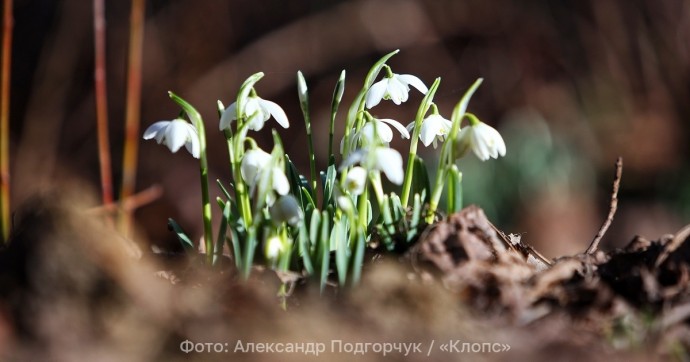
{"x":612,"y":208}
{"x":131,"y":203}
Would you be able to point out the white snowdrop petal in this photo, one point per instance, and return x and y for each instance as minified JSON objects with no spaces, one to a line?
{"x":155,"y":130}
{"x":429,"y":131}
{"x":354,"y":157}
{"x":389,"y":161}
{"x":414,"y":81}
{"x":277,"y":112}
{"x":176,"y":135}
{"x":397,"y":91}
{"x":280,"y":181}
{"x":286,"y":209}
{"x":376,"y":93}
{"x":356,"y":180}
{"x":229,"y":115}
{"x":403,"y":131}
{"x":252,"y":162}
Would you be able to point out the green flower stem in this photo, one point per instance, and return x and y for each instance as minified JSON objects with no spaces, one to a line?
{"x":421,"y":112}
{"x":239,"y":186}
{"x":303,"y":93}
{"x":459,"y":113}
{"x":378,"y":188}
{"x":198,"y":122}
{"x":249,"y":253}
{"x":436,"y":194}
{"x":354,"y":115}
{"x":337,"y":98}
{"x":446,"y":160}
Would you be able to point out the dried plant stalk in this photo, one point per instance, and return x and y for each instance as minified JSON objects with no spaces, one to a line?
{"x":7,"y":24}
{"x":131,"y":147}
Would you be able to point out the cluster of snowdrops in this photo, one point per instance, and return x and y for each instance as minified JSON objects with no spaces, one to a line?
{"x":274,"y":215}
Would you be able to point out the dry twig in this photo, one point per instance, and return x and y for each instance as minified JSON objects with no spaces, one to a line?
{"x":612,"y":208}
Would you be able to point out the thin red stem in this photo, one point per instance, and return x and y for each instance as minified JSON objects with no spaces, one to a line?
{"x":7,"y":25}
{"x":102,"y":101}
{"x":133,"y":105}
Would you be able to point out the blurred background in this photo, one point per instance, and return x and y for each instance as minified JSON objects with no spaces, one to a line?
{"x":571,"y":85}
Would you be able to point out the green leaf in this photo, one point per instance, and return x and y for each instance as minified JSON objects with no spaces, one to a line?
{"x":294,"y":180}
{"x":376,"y":68}
{"x":460,"y":109}
{"x":192,"y":113}
{"x":328,"y":181}
{"x":358,"y":259}
{"x":387,"y":225}
{"x":422,"y":185}
{"x":221,"y":232}
{"x":342,"y":251}
{"x":325,"y":250}
{"x":416,"y":217}
{"x":454,"y":181}
{"x":304,"y":249}
{"x":314,"y":224}
{"x":223,"y":189}
{"x":309,"y":204}
{"x":187,"y":243}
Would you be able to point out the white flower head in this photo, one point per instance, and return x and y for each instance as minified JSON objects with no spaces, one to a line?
{"x":382,"y":130}
{"x":286,"y":209}
{"x":377,"y":159}
{"x":253,"y":162}
{"x":376,"y":131}
{"x":356,"y":180}
{"x":395,"y":87}
{"x":434,"y":128}
{"x":260,"y":110}
{"x":344,"y":201}
{"x":175,"y":134}
{"x":273,"y":247}
{"x":257,"y":170}
{"x":482,"y":139}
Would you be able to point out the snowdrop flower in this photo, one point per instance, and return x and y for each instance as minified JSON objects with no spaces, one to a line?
{"x":377,"y":159}
{"x":434,"y":129}
{"x":273,"y":247}
{"x":382,"y":130}
{"x":256,"y":169}
{"x":482,"y":139}
{"x":378,"y":127}
{"x":260,"y":110}
{"x":286,"y":209}
{"x":344,"y":201}
{"x":253,"y":161}
{"x":394,"y":87}
{"x":174,"y":134}
{"x":356,"y":180}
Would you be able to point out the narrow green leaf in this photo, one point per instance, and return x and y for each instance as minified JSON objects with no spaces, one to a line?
{"x":328,"y":185}
{"x":358,"y":259}
{"x":221,"y":232}
{"x":314,"y":225}
{"x":416,"y":217}
{"x":454,"y":190}
{"x":304,"y":249}
{"x":187,"y":243}
{"x":422,"y":185}
{"x":324,"y":245}
{"x":342,"y":251}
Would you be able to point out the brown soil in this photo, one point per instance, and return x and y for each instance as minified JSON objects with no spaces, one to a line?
{"x":72,"y":290}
